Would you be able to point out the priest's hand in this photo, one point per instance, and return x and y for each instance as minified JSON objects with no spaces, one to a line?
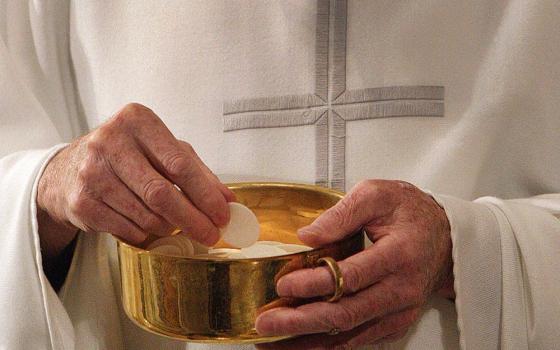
{"x":385,"y":286}
{"x":122,"y":178}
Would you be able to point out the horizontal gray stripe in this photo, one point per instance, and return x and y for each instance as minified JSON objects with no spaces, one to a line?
{"x":263,"y":104}
{"x":273,"y":119}
{"x":391,"y":93}
{"x":385,"y":109}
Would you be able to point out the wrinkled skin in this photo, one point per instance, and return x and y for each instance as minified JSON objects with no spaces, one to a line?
{"x":385,"y":286}
{"x":120,"y":178}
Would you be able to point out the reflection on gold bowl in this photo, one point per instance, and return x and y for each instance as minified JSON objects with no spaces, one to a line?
{"x":217,"y":300}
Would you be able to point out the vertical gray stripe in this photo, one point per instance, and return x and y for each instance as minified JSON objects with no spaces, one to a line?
{"x":338,"y":150}
{"x":322,"y":50}
{"x":338,"y":53}
{"x":322,"y":150}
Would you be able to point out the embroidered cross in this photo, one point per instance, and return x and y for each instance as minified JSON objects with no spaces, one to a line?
{"x":331,"y":105}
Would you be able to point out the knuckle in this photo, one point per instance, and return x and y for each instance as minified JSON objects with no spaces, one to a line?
{"x":130,"y":112}
{"x":91,"y":170}
{"x":156,"y":193}
{"x":362,"y":189}
{"x":405,"y":185}
{"x":354,"y":277}
{"x":188,"y":147}
{"x":344,"y":318}
{"x":376,"y":190}
{"x":90,"y":167}
{"x":134,"y":109}
{"x":364,"y":184}
{"x":370,"y":187}
{"x":212,"y":202}
{"x":78,"y":204}
{"x":87,"y":172}
{"x":344,"y":211}
{"x":365,"y":191}
{"x":177,"y":164}
{"x":97,"y":140}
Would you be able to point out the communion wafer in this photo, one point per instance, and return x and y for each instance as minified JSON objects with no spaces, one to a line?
{"x":294,"y":248}
{"x":182,"y":244}
{"x":237,"y":256}
{"x":243,"y":228}
{"x":262,"y":251}
{"x":269,"y":242}
{"x":225,"y":251}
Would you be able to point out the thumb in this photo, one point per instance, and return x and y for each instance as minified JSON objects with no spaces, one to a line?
{"x":366,"y":202}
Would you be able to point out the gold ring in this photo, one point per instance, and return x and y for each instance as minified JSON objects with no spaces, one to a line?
{"x":334,"y":331}
{"x":337,"y":277}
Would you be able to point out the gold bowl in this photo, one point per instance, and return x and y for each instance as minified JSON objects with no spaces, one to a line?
{"x":217,"y":300}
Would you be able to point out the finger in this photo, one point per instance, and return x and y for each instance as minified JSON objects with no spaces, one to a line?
{"x":358,"y":272}
{"x":385,"y":329}
{"x":119,"y":197}
{"x":365,"y":203}
{"x":95,"y":216}
{"x":170,"y":158}
{"x":226,"y":192}
{"x":351,"y":311}
{"x":161,"y":196}
{"x":191,"y":179}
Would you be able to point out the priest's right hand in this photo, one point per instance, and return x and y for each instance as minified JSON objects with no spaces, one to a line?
{"x":123,"y":178}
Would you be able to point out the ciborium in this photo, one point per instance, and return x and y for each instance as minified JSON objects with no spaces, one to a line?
{"x":216,"y":300}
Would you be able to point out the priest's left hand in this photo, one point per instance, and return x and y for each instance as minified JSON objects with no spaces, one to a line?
{"x":385,"y":286}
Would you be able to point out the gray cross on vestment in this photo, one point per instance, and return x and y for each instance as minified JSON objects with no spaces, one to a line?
{"x":331,"y":105}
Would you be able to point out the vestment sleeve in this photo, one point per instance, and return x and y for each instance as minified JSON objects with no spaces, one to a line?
{"x":37,"y":115}
{"x":506,"y":257}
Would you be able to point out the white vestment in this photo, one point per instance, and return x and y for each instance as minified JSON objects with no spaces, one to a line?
{"x":461,"y":98}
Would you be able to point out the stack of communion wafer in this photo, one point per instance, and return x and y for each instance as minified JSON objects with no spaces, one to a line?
{"x":242,"y":233}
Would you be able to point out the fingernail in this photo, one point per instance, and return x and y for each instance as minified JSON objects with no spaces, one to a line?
{"x":224,"y":218}
{"x":229,"y":195}
{"x":264,"y":324}
{"x":307,"y":235}
{"x":138,"y":237}
{"x":282,"y":287}
{"x":303,"y":231}
{"x":221,"y":217}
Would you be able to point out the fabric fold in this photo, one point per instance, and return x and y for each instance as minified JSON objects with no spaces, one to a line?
{"x":505,"y":271}
{"x":37,"y":319}
{"x":530,"y":269}
{"x":475,"y":233}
